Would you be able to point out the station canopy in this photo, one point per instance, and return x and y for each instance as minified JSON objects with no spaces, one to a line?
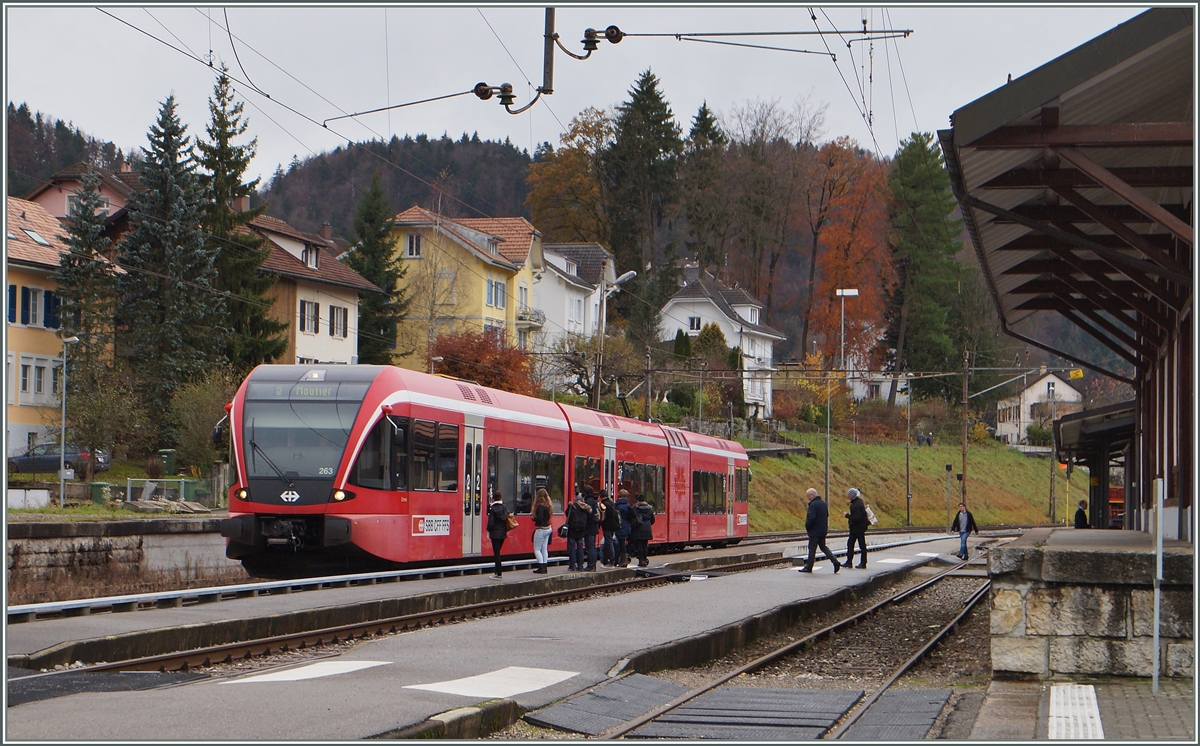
{"x":1076,"y":183}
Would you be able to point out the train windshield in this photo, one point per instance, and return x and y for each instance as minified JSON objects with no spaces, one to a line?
{"x":296,"y":440}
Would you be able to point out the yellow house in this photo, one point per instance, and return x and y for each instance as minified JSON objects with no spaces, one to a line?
{"x":467,"y":273}
{"x":33,"y":241}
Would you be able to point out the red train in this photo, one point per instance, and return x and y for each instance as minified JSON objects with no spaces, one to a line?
{"x":354,"y":468}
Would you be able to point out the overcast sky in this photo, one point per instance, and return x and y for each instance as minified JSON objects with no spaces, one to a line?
{"x":109,"y":78}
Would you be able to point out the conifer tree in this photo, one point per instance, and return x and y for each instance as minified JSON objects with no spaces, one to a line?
{"x":705,"y":198}
{"x":924,"y":242}
{"x":375,"y":258}
{"x":87,"y":285}
{"x":171,"y":322}
{"x":254,"y":336}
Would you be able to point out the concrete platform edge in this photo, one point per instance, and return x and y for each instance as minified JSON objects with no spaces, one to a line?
{"x":478,"y":721}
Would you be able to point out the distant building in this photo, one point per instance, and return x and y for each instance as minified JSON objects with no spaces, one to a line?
{"x":58,"y":194}
{"x":1034,"y":405}
{"x":737,"y":313}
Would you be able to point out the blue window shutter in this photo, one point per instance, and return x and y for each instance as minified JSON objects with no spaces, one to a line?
{"x":316,"y":318}
{"x":12,"y":304}
{"x":48,"y":309}
{"x":24,"y":305}
{"x":57,"y":305}
{"x":302,"y":309}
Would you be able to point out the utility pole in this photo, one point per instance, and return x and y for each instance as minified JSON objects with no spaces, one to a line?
{"x":1053,"y":413}
{"x":908,"y":457}
{"x":828,"y":418}
{"x":649,"y":398}
{"x":949,"y":485}
{"x":966,"y":362}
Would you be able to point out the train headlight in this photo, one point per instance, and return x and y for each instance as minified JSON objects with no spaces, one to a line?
{"x":342,"y":496}
{"x":242,"y":494}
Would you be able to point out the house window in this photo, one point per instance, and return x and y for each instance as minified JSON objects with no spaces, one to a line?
{"x":875,"y":388}
{"x":523,"y":297}
{"x":73,"y":206}
{"x":310,"y":317}
{"x":572,"y":268}
{"x":491,"y":292}
{"x":37,"y":238}
{"x":694,"y":323}
{"x":753,"y":315}
{"x":492,"y":246}
{"x":309,"y":256}
{"x":31,"y":306}
{"x":37,"y":388}
{"x":339,"y":317}
{"x":493,"y":330}
{"x":501,"y":291}
{"x":523,"y":339}
{"x":26,"y":368}
{"x":414,"y":246}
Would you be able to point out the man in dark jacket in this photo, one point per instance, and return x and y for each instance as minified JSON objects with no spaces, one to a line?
{"x":1081,"y":520}
{"x":497,"y":529}
{"x":857,"y":522}
{"x":577,"y":517}
{"x":643,"y":532}
{"x":622,"y":537}
{"x":964,"y":524}
{"x":593,"y":526}
{"x":817,"y":526}
{"x":612,"y":519}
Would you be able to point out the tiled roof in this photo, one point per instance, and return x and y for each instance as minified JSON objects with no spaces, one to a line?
{"x":589,"y":258}
{"x":706,"y":288}
{"x":329,"y":269}
{"x":21,"y":247}
{"x":572,"y":279}
{"x":516,"y":234}
{"x":459,"y":229}
{"x":121,"y":183}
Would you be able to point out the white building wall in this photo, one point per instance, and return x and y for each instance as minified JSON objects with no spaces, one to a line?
{"x":320,"y":345}
{"x":1015,"y":413}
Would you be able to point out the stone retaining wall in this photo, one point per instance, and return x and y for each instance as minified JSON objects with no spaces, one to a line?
{"x":1082,"y":602}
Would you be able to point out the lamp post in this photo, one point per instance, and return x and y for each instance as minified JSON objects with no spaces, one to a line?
{"x":908,"y":454}
{"x":1053,"y":460}
{"x":842,"y":293}
{"x":433,"y":360}
{"x":62,"y":442}
{"x":604,"y":293}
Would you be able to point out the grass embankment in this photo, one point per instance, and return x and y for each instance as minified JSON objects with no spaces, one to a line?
{"x":1003,"y":486}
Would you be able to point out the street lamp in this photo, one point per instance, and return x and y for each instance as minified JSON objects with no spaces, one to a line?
{"x":604,"y":293}
{"x":842,"y":293}
{"x":62,"y":442}
{"x":433,"y":360}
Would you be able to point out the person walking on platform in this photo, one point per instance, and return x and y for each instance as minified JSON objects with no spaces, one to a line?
{"x":497,"y":528}
{"x":542,"y":509}
{"x":857,"y":521}
{"x":817,"y":526}
{"x":964,"y":524}
{"x":641,"y":518}
{"x":609,"y":525}
{"x":1081,"y":520}
{"x":622,"y":536}
{"x":577,"y":518}
{"x":593,"y":526}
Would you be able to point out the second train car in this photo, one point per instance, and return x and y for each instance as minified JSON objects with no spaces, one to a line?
{"x":355,"y":468}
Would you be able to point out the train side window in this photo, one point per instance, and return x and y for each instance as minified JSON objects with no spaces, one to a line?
{"x":587,"y":471}
{"x":424,"y":455}
{"x":726,"y":503}
{"x":524,"y":482}
{"x":399,"y":452}
{"x":660,"y":489}
{"x":541,"y":474}
{"x":492,"y":463}
{"x":448,"y":458}
{"x":741,"y":492}
{"x":369,"y":466}
{"x":506,"y":477}
{"x":558,"y":474}
{"x":696,"y":493}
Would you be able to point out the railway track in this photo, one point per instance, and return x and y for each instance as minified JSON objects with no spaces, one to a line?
{"x":878,"y":644}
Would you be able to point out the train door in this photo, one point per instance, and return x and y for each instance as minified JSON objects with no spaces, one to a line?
{"x":472,"y":487}
{"x":608,"y":477}
{"x":729,"y":489}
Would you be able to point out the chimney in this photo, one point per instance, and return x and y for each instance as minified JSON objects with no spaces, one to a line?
{"x":242,"y":204}
{"x":126,"y":168}
{"x":327,"y":231}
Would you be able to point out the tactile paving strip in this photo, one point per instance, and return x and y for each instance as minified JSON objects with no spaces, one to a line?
{"x":747,"y":713}
{"x":900,"y":715}
{"x":26,"y":689}
{"x":1074,"y":713}
{"x":607,"y":706}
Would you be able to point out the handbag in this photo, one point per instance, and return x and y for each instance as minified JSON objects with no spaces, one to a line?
{"x":562,"y":531}
{"x":511,"y":522}
{"x":871,"y":516}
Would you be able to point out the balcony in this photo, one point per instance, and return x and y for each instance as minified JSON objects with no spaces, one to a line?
{"x":531,"y":317}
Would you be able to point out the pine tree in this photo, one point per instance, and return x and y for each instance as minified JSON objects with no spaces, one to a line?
{"x":254,"y":336}
{"x":924,"y":242}
{"x":86,"y":281}
{"x":705,"y":198}
{"x":171,"y":319}
{"x":374,"y":258}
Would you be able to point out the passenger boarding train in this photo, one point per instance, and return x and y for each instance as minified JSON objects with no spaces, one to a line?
{"x":353,"y":468}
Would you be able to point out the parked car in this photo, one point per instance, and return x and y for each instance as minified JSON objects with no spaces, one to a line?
{"x":44,"y":459}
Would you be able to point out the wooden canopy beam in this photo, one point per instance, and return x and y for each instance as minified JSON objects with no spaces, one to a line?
{"x":1075,"y":214}
{"x":1143,"y":176}
{"x":1042,"y":242}
{"x":1104,"y":216}
{"x":1137,"y":325}
{"x":1144,"y":134}
{"x":1145,"y":310}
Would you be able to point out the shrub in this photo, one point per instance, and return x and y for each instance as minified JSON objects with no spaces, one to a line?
{"x":154,"y":467}
{"x":1036,"y":435}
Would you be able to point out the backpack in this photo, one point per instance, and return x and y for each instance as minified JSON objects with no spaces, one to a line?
{"x":576,"y":518}
{"x":612,"y":516}
{"x":635,"y":520}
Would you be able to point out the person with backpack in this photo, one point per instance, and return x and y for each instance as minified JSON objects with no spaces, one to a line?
{"x":497,"y":528}
{"x":593,"y":525}
{"x":622,"y":535}
{"x":577,"y":518}
{"x":641,"y":518}
{"x":542,"y":510}
{"x":610,"y":524}
{"x":857,"y":522}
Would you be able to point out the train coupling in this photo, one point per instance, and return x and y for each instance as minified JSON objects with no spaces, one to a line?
{"x":283,"y":533}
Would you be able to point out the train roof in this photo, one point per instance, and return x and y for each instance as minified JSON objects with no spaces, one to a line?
{"x":581,"y":416}
{"x":699,"y":440}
